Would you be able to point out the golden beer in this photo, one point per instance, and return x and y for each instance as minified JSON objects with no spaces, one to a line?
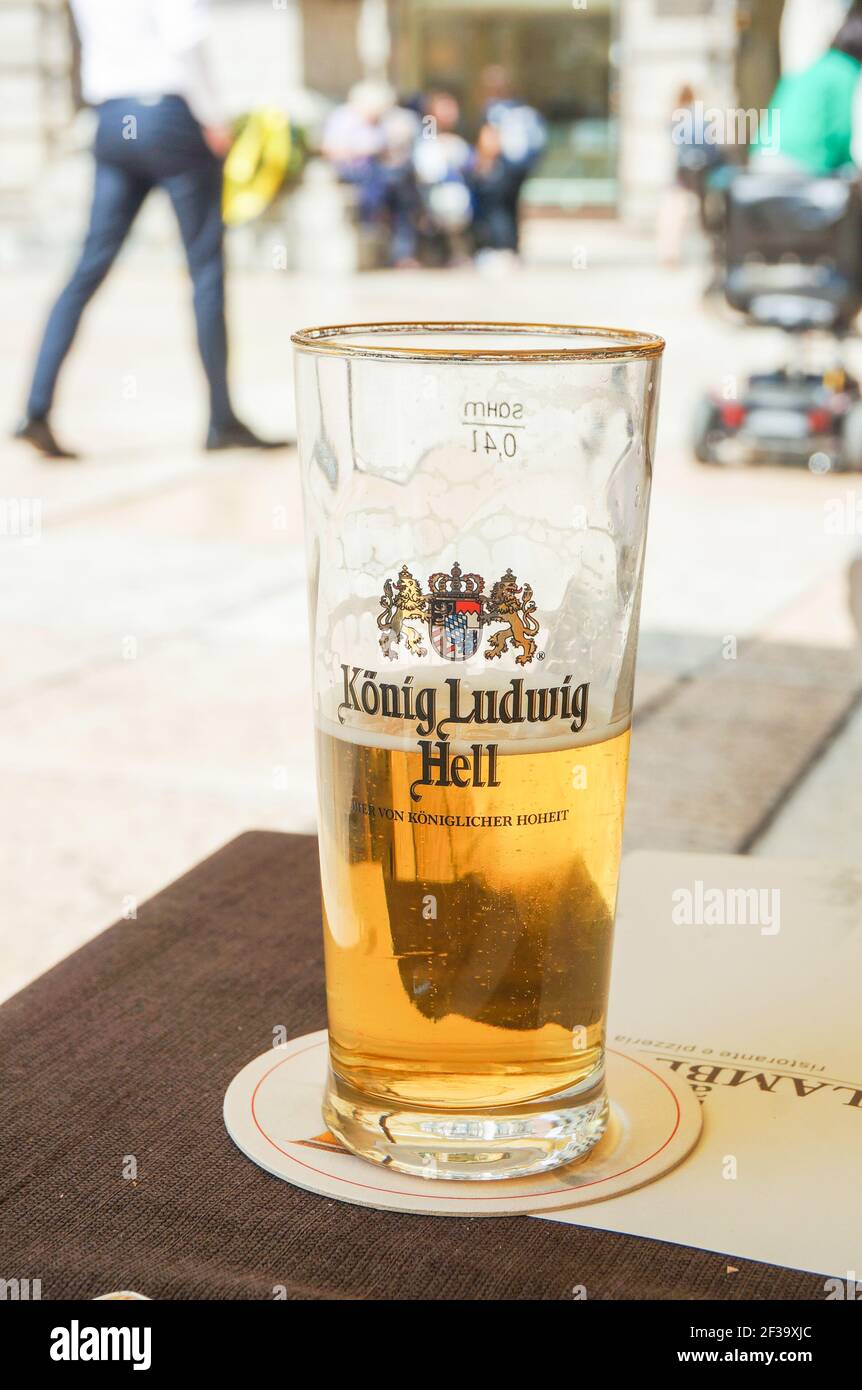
{"x":468,"y":934}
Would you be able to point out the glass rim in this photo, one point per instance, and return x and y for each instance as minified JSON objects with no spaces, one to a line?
{"x":623,"y":344}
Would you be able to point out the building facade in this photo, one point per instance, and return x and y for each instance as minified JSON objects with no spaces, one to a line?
{"x":606,"y":74}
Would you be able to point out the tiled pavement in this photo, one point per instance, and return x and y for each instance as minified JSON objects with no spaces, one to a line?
{"x":718,"y":754}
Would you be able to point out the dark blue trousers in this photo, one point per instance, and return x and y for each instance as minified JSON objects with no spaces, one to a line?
{"x":139,"y":146}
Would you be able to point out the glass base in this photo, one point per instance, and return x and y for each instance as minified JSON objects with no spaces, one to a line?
{"x":510,"y":1142}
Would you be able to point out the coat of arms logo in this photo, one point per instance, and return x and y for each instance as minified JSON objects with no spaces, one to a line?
{"x":454,"y":610}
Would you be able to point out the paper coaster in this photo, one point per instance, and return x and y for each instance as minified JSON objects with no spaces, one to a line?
{"x":272,"y":1113}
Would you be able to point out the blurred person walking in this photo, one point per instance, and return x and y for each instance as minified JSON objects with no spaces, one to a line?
{"x":696,"y":158}
{"x":143,"y":67}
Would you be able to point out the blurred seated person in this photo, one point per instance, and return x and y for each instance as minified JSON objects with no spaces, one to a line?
{"x":441,"y":160}
{"x":354,"y":139}
{"x":815,"y":117}
{"x":369,"y":140}
{"x":494,"y":182}
{"x":402,"y":198}
{"x":521,"y":132}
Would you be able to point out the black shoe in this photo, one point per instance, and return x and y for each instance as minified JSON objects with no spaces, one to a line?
{"x":39,"y":433}
{"x":236,"y":435}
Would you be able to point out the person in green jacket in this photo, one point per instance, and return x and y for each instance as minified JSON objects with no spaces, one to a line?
{"x":815,"y":117}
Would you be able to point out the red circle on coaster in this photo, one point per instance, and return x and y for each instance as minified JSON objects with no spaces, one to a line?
{"x":444,"y":1193}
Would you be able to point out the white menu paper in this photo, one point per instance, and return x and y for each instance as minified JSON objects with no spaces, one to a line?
{"x":744,"y":975}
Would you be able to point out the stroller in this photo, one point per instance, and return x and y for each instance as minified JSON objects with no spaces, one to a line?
{"x":794,"y":262}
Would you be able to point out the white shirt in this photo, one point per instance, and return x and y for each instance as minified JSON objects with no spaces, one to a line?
{"x":146,"y":48}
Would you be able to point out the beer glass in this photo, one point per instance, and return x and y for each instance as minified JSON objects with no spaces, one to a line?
{"x":476,"y":504}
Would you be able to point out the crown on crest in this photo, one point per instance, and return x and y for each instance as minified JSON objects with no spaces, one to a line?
{"x":455,"y":584}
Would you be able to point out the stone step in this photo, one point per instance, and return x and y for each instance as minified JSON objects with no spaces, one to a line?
{"x":719,"y":752}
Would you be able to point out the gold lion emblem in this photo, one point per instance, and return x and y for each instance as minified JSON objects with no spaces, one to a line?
{"x":513,"y":606}
{"x":402,"y":602}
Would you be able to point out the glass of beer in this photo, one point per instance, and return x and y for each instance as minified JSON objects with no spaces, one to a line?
{"x":476,"y":501}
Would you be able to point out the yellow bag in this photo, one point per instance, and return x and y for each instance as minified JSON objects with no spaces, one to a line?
{"x":257,"y":164}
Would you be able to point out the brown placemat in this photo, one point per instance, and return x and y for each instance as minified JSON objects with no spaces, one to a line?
{"x":126,"y":1049}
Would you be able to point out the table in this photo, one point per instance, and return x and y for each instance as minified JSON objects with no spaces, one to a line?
{"x":116,"y":1170}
